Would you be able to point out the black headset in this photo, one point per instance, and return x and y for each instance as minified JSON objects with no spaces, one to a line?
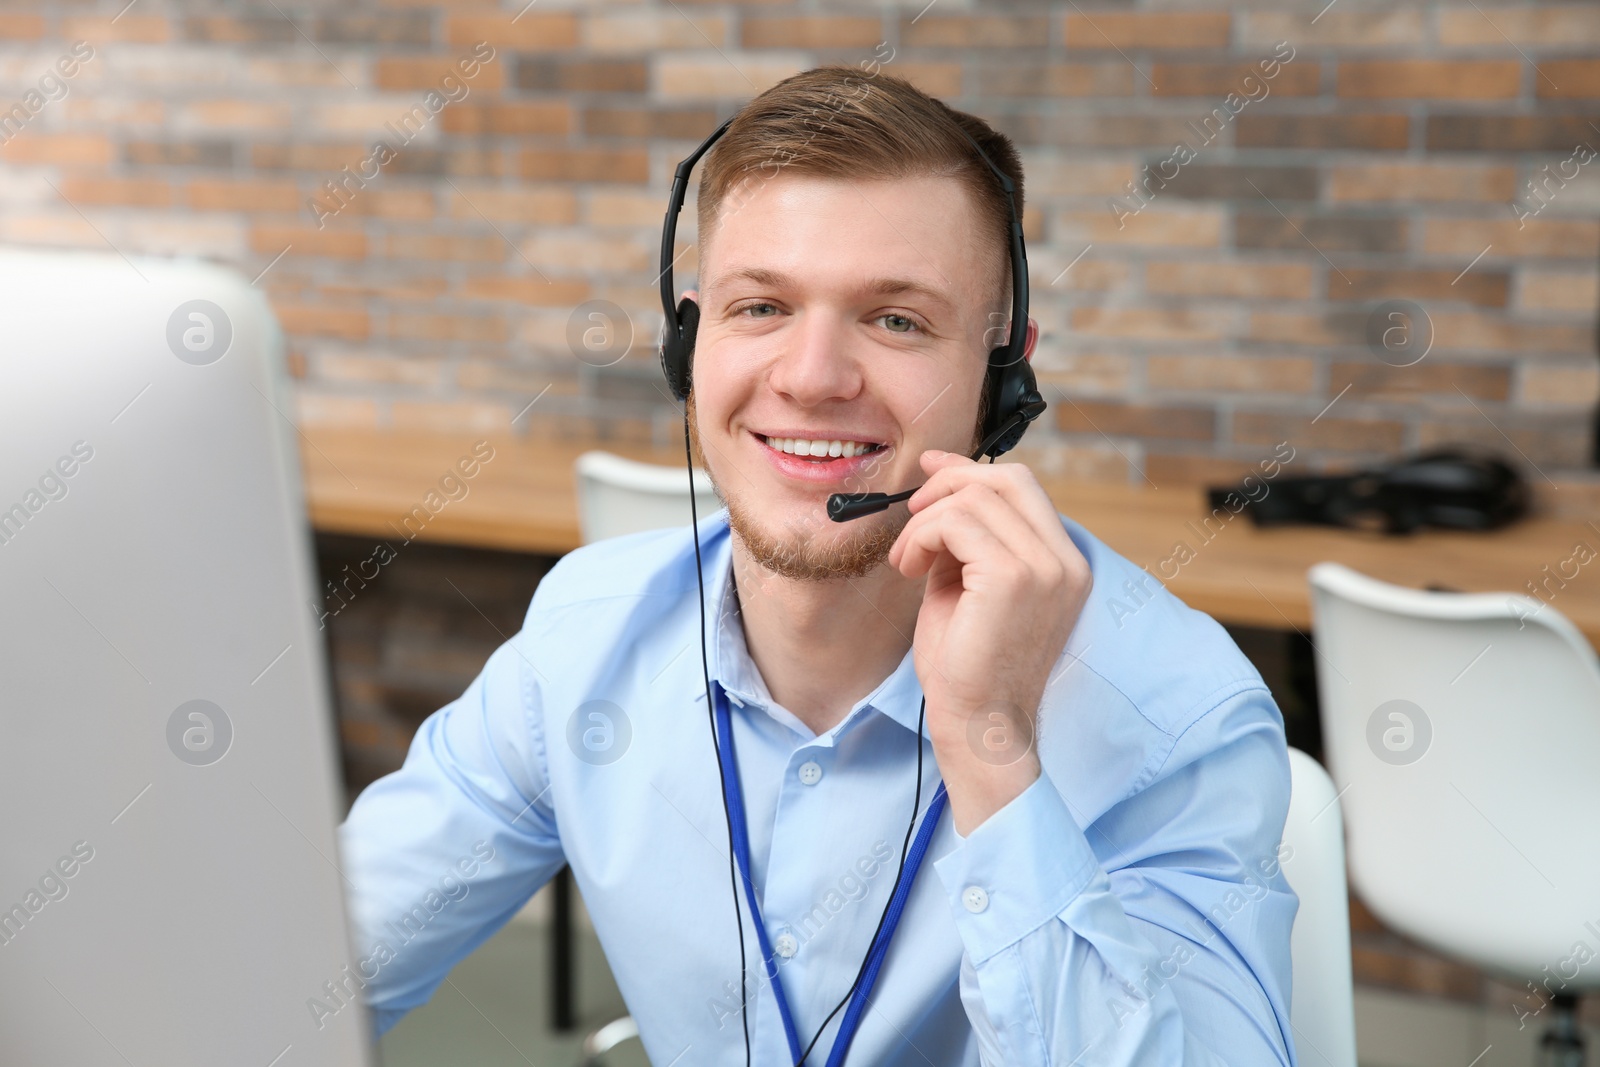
{"x":1014,"y":401}
{"x":1013,"y":393}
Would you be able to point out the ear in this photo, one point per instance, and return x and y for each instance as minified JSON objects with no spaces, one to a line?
{"x":1033,"y":339}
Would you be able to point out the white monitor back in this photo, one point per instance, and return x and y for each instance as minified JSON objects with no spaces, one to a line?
{"x":168,"y":882}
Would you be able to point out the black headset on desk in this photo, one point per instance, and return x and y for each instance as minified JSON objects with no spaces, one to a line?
{"x":1013,"y":402}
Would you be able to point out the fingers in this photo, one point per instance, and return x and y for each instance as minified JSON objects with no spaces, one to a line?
{"x":985,"y":534}
{"x":950,"y":472}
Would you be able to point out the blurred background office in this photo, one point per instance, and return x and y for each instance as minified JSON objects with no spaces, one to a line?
{"x":1359,"y":228}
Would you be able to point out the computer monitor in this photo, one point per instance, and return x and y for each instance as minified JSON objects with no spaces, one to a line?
{"x":169,"y":882}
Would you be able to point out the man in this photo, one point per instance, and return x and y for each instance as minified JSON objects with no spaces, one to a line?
{"x":1105,"y":887}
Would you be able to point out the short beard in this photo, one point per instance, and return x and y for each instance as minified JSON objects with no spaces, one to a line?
{"x":796,"y":556}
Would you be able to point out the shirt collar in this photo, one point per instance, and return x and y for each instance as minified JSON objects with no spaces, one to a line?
{"x":899,"y":696}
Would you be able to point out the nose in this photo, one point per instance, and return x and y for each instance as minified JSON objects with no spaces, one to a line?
{"x":818,"y":361}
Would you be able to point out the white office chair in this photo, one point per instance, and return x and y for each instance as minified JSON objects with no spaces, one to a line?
{"x":1464,"y":733}
{"x":619,"y":496}
{"x":1322,"y":1008}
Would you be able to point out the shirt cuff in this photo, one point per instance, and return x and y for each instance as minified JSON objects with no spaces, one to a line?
{"x":1016,"y":871}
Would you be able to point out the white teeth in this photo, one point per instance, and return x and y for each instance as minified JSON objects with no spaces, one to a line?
{"x":800,"y":446}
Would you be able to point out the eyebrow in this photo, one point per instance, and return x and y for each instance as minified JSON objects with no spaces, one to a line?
{"x":874,"y":286}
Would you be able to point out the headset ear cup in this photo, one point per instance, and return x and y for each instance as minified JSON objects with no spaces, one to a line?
{"x":677,"y":349}
{"x":689,"y":315}
{"x":1011,"y":387}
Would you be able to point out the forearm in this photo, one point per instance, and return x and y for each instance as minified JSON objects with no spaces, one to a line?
{"x":1059,"y":972}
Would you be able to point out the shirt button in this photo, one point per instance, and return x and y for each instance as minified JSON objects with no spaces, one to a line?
{"x":810,"y":772}
{"x":974,"y":899}
{"x":786,"y":945}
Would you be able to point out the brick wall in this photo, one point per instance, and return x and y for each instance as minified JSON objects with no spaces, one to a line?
{"x":1193,"y":314}
{"x":1190,"y":320}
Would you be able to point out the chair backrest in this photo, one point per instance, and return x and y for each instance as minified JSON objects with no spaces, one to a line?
{"x":619,"y":496}
{"x":1322,"y":1000}
{"x":1463,"y":731}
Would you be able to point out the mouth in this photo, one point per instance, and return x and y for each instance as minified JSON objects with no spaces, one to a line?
{"x":818,"y":460}
{"x":818,"y":449}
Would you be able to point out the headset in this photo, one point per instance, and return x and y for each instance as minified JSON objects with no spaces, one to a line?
{"x":1014,"y":401}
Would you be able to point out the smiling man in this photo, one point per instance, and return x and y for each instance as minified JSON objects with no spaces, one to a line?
{"x":979,"y":817}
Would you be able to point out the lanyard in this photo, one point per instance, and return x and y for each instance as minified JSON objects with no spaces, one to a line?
{"x":880,"y":944}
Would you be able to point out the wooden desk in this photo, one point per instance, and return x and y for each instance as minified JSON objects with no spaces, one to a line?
{"x":364,"y":482}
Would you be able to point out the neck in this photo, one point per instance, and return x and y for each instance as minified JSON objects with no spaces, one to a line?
{"x":823,"y":645}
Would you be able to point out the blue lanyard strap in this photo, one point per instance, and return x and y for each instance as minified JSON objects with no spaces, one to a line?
{"x":741,"y":851}
{"x":880,"y":945}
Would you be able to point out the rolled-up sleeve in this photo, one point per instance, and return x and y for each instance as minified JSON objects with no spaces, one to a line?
{"x":438,"y":855}
{"x":1157,"y":935}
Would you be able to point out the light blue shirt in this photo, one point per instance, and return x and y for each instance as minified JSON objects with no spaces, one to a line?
{"x":1128,"y":908}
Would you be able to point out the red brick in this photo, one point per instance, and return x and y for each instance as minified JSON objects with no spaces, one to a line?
{"x":1026,"y":78}
{"x":129,"y":26}
{"x":585,"y":164}
{"x":1298,"y":78}
{"x":515,"y":204}
{"x":1507,"y":133}
{"x":228,"y":116}
{"x":975,"y":31}
{"x":14,"y":27}
{"x":415,"y":205}
{"x":1434,"y":79}
{"x":1484,"y":286}
{"x":1284,"y":281}
{"x":1116,"y":418}
{"x":1146,"y":30}
{"x":1426,"y":182}
{"x":1328,"y":432}
{"x":737,"y":77}
{"x":1478,"y":332}
{"x":131,"y":192}
{"x":1558,"y":290}
{"x":531,"y":32}
{"x":1155,"y":226}
{"x":935,"y":79}
{"x":509,"y":118}
{"x":1559,"y":238}
{"x":1189,"y":323}
{"x":404,"y":73}
{"x":811,"y":31}
{"x":60,"y":149}
{"x":1568,"y":79}
{"x":540,"y":74}
{"x":321,"y":320}
{"x":308,"y":241}
{"x":447,"y":247}
{"x":1376,"y":132}
{"x":321,"y":159}
{"x":1554,"y":25}
{"x":1374,"y":380}
{"x":227,"y":195}
{"x":1339,"y":27}
{"x":436,"y":327}
{"x":1231,"y":374}
{"x":1549,"y":439}
{"x":202,"y":153}
{"x":645,"y":123}
{"x":525,"y":290}
{"x":1177,"y":469}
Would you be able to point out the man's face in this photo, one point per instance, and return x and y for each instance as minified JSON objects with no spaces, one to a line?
{"x":837,"y":311}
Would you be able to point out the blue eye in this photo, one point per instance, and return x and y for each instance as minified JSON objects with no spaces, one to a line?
{"x":753,"y":307}
{"x":897,"y":323}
